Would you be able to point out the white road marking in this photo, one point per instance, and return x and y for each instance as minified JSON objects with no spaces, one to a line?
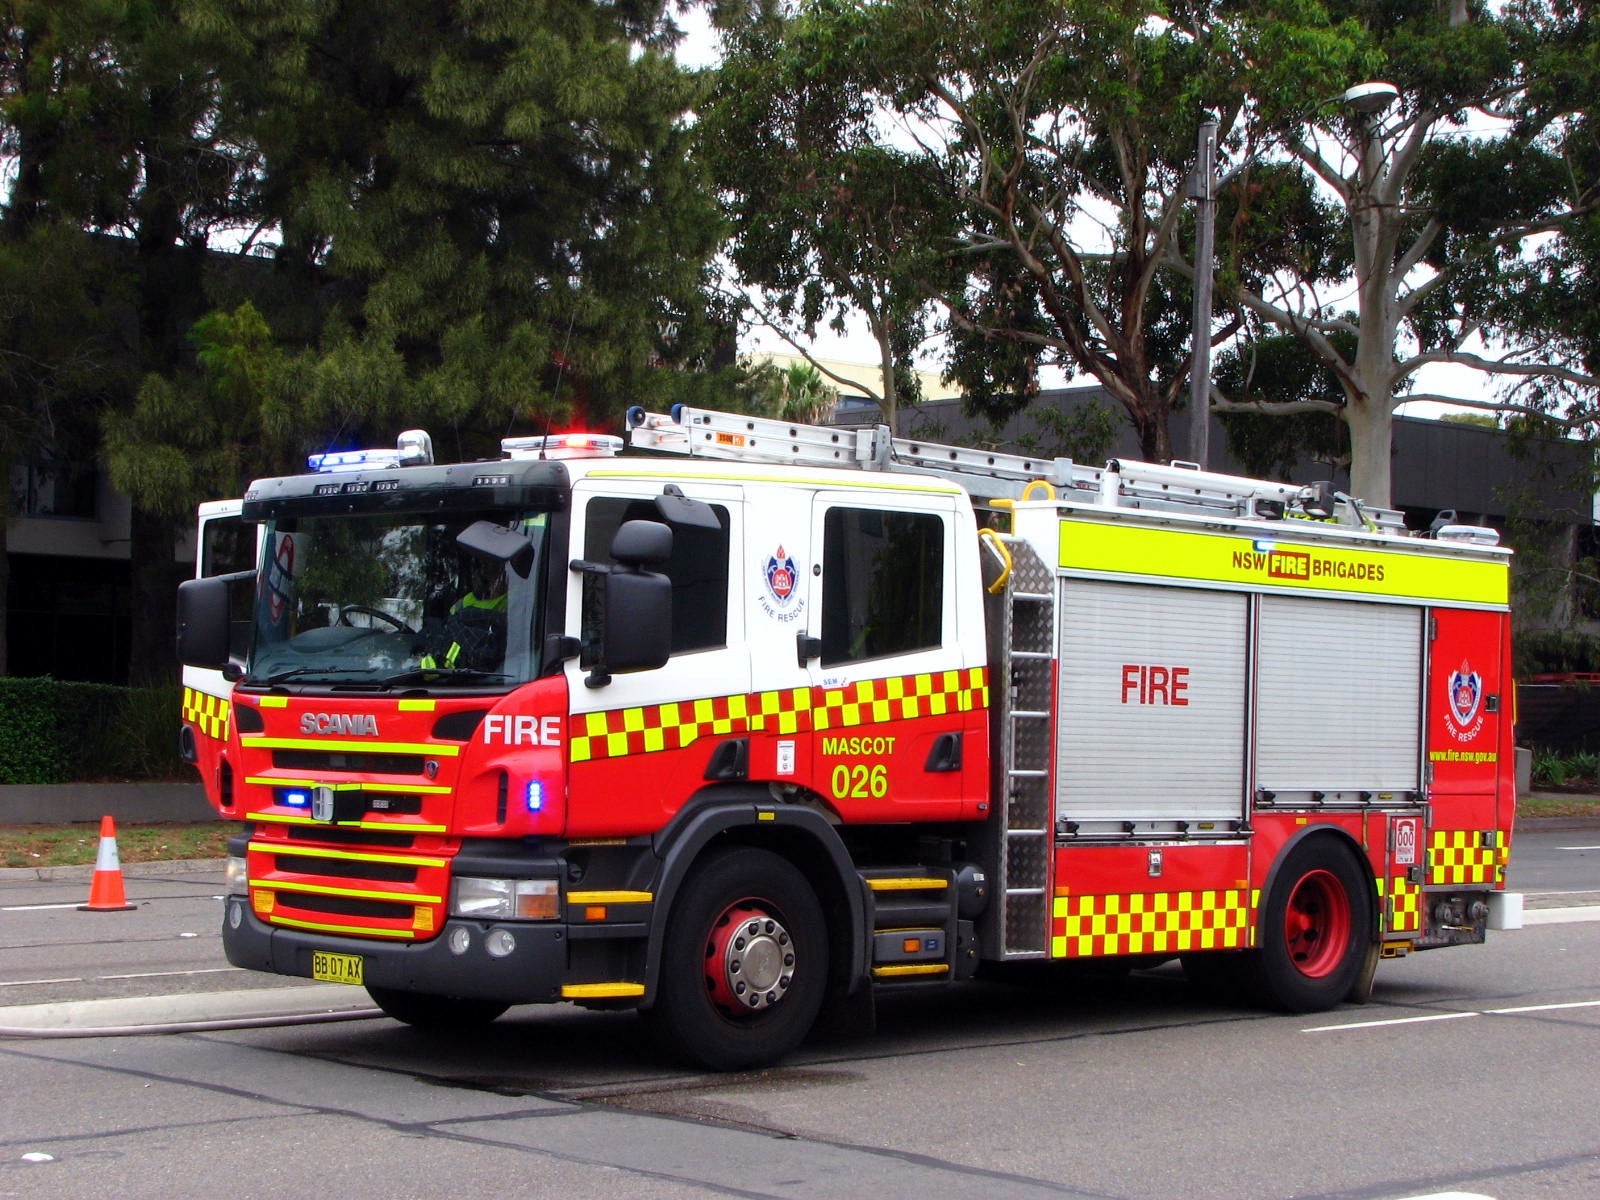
{"x":1578,"y":847}
{"x":159,"y":974}
{"x":1448,"y":1196}
{"x":1451,"y":1016}
{"x":28,"y":982}
{"x":1501,"y":1012}
{"x":1561,"y":916}
{"x":37,"y":907}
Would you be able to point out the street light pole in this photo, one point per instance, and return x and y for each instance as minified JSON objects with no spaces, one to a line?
{"x":1203,"y":191}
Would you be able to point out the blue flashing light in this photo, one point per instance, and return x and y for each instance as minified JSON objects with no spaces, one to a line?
{"x":1265,"y":547}
{"x":535,"y":795}
{"x":294,"y":797}
{"x":352,"y":460}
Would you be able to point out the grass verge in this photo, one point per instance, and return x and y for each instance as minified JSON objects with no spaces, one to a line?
{"x":1553,"y":804}
{"x":77,"y":843}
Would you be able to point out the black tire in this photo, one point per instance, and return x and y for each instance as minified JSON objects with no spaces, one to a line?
{"x":424,"y":1011}
{"x":744,"y":917}
{"x":1316,"y":929}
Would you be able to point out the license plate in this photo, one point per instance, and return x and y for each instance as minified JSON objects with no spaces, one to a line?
{"x":336,"y":968}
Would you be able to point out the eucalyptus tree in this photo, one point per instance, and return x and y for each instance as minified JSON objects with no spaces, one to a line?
{"x":826,"y":216}
{"x":1059,"y":134}
{"x":1419,"y":220}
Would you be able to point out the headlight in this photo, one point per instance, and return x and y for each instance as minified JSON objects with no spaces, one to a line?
{"x":238,"y":881}
{"x":506,"y":899}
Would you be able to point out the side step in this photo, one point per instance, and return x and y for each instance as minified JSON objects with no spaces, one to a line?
{"x":917,"y":933}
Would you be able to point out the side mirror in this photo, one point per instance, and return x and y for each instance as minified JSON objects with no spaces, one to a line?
{"x":203,"y":611}
{"x":627,"y":609}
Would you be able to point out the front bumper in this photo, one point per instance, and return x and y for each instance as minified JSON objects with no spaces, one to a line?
{"x":533,"y":973}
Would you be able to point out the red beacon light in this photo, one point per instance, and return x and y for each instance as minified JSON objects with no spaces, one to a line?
{"x":562,"y":445}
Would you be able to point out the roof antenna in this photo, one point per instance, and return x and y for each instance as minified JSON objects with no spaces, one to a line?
{"x":561,"y":370}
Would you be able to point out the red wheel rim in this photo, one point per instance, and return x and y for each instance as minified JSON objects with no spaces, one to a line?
{"x":749,"y":960}
{"x":1316,"y":925}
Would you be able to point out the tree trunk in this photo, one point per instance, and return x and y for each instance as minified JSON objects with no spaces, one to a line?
{"x":1371,"y":424}
{"x":152,"y":657}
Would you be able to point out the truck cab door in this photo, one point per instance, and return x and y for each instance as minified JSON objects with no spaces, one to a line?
{"x":647,"y":740}
{"x":899,"y":690}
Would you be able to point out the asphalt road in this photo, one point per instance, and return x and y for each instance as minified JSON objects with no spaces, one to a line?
{"x":1471,"y":1071}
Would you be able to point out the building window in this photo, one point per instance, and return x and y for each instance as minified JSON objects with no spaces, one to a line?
{"x":53,"y":489}
{"x":883,"y":584}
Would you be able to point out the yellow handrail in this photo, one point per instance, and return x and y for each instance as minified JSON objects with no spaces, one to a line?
{"x":999,"y":548}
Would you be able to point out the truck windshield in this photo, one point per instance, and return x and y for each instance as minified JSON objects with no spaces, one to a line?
{"x":399,"y":598}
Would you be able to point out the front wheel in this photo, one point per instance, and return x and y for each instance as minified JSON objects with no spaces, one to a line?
{"x":745,"y":962}
{"x":1316,"y":929}
{"x":425,"y":1011}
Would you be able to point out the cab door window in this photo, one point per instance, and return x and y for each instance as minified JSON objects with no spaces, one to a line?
{"x":698,"y":568}
{"x":883,"y":584}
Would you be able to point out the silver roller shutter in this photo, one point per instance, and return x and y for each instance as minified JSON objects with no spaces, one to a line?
{"x":1120,"y":757}
{"x":1339,"y":704}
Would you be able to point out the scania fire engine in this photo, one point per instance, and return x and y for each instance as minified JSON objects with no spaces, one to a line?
{"x":762,"y":721}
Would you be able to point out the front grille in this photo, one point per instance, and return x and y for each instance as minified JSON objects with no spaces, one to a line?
{"x":347,"y":906}
{"x":361,"y":891}
{"x":348,"y":760}
{"x":332,"y":835}
{"x":346,"y":868}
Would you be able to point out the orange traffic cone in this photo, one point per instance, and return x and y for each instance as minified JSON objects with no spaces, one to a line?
{"x":105,"y":892}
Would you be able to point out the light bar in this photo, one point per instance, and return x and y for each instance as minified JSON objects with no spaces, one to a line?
{"x":562,"y":445}
{"x":351,"y":460}
{"x":1473,"y":535}
{"x":414,"y":448}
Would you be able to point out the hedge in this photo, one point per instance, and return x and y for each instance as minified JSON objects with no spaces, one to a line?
{"x":62,"y":731}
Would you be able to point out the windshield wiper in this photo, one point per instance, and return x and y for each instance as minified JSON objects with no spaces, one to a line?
{"x":444,"y":675}
{"x":299,"y":672}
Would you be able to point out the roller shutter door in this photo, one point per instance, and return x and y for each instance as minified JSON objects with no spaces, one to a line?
{"x":1339,"y":704}
{"x":1151,"y":700}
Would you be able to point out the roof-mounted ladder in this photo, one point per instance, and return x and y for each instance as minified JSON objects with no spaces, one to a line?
{"x":707,"y":433}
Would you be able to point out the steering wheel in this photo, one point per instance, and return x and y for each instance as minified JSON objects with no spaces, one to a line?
{"x":387,"y":618}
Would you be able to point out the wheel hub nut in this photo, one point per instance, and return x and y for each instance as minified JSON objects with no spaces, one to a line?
{"x":758,"y":962}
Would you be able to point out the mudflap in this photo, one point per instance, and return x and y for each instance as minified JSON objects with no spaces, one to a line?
{"x":847,"y":1017}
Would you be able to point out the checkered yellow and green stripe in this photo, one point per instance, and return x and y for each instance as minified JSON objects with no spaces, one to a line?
{"x":1160,"y":923}
{"x":209,"y":713}
{"x":1457,"y":856}
{"x":647,"y":729}
{"x":1402,"y":904}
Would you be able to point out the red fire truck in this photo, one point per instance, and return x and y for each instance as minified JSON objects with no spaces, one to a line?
{"x":776,"y":718}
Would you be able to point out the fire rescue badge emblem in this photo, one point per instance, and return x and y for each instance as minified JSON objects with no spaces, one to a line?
{"x":783,"y":601}
{"x":781,"y":576}
{"x":1466,"y":694}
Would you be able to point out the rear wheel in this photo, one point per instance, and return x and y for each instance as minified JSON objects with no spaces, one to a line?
{"x":1316,"y":929}
{"x":745,"y":962}
{"x":425,"y":1011}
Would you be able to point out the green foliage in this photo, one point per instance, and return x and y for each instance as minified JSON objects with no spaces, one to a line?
{"x":1551,"y":768}
{"x":797,"y":392}
{"x":1084,"y":434}
{"x":824,"y":216}
{"x":1556,"y":652}
{"x":1272,"y":370}
{"x":56,"y":731}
